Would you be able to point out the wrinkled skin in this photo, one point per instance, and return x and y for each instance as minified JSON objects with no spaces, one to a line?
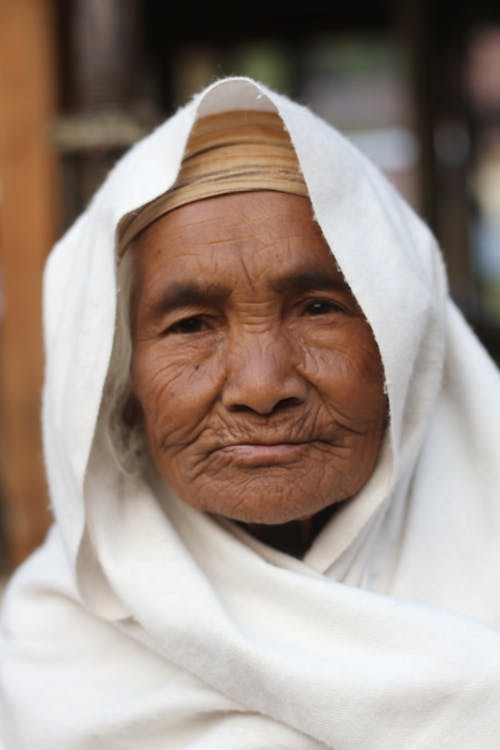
{"x":259,"y":381}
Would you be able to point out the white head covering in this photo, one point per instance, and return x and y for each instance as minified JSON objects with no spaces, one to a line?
{"x":143,"y":623}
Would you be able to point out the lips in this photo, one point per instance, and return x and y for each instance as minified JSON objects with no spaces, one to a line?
{"x":259,"y":453}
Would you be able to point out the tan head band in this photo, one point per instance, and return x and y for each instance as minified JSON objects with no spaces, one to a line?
{"x":231,"y":152}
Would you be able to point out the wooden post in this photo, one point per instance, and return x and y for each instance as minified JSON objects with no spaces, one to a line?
{"x":27,"y":230}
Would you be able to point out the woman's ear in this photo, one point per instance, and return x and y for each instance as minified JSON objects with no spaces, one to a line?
{"x":132,"y":413}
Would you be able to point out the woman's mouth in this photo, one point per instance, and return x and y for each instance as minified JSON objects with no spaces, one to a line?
{"x":264,"y":453}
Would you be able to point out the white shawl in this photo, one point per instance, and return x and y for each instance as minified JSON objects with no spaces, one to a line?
{"x":142,"y":623}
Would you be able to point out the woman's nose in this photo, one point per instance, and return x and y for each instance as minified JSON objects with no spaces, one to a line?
{"x":261,"y":375}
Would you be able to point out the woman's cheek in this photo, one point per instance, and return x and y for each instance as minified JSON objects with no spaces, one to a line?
{"x":175,"y":386}
{"x":345,"y":368}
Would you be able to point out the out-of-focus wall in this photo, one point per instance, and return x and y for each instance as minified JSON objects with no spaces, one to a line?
{"x":27,"y":230}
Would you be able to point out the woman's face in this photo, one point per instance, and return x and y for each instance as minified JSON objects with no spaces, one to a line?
{"x":260,"y":383}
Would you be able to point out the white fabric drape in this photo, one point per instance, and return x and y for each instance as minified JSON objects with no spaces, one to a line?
{"x":142,"y":623}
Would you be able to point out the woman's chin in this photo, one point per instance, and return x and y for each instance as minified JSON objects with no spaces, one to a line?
{"x":269,"y":506}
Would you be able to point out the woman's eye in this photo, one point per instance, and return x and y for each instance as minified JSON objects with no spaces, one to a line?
{"x":194,"y":324}
{"x":322,"y":307}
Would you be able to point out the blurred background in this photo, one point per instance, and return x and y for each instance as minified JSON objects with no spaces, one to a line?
{"x":416,"y":85}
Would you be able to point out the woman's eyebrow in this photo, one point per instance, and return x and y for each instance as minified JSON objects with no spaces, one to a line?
{"x":177,"y":295}
{"x":183,"y":294}
{"x":312,"y":278}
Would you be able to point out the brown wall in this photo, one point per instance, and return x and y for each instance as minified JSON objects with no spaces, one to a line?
{"x":27,"y":230}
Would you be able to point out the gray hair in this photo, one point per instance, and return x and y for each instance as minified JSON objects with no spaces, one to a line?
{"x":125,"y":438}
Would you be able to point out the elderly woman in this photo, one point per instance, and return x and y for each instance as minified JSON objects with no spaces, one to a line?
{"x":272,"y":449}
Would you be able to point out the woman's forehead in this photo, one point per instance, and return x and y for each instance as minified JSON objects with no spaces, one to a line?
{"x":249,"y":268}
{"x":270,"y":232}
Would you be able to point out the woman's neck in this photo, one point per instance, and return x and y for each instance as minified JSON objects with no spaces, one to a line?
{"x":294,"y":537}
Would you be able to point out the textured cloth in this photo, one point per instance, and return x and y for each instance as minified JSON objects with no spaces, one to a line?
{"x":230,"y":152}
{"x":143,"y":623}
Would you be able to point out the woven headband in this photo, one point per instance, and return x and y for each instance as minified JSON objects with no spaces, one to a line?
{"x":231,"y":152}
